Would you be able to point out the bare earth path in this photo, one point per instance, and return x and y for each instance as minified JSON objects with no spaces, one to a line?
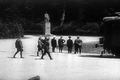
{"x":64,"y":66}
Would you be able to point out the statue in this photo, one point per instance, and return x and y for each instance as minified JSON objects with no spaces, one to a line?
{"x":47,"y":24}
{"x":47,"y":18}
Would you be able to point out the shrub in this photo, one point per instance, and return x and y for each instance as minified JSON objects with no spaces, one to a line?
{"x":11,"y":30}
{"x":91,"y":28}
{"x":77,"y":29}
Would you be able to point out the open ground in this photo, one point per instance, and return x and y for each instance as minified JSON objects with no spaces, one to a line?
{"x":86,"y":66}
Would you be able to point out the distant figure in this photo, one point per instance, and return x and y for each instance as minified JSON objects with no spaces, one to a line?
{"x":69,"y":44}
{"x":46,"y":49}
{"x":40,"y":46}
{"x":53,"y":44}
{"x":61,"y":44}
{"x":19,"y":46}
{"x":78,"y":45}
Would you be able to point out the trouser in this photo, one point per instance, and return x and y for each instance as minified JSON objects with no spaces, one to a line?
{"x":39,"y":49}
{"x":69,"y":49}
{"x":60,"y":49}
{"x":53,"y":49}
{"x":18,"y":50}
{"x":48,"y":52}
{"x":76,"y":49}
{"x":79,"y":48}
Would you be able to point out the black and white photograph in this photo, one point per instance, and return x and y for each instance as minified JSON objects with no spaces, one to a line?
{"x":59,"y":39}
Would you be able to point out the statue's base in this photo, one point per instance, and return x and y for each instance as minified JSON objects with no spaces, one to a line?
{"x":48,"y":35}
{"x":48,"y":28}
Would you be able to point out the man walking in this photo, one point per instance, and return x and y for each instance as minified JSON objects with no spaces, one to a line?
{"x":40,"y":46}
{"x":61,"y":44}
{"x":78,"y":45}
{"x":53,"y":44}
{"x":19,"y":46}
{"x":46,"y":49}
{"x":69,"y":44}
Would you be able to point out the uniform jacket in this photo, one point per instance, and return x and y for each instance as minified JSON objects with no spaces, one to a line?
{"x":69,"y":43}
{"x":61,"y":42}
{"x":78,"y":42}
{"x":40,"y":43}
{"x":46,"y":45}
{"x":53,"y":43}
{"x":18,"y":44}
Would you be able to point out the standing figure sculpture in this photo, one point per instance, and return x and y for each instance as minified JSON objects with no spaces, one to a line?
{"x":47,"y":24}
{"x":47,"y":18}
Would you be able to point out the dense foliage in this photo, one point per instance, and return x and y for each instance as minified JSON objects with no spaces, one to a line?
{"x":10,"y":30}
{"x":81,"y":16}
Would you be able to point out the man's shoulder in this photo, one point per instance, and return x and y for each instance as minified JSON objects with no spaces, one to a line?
{"x":80,"y":40}
{"x":63,"y":40}
{"x":69,"y":40}
{"x":18,"y":40}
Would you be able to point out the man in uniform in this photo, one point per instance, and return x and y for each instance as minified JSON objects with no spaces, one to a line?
{"x":46,"y":48}
{"x":78,"y":45}
{"x":40,"y":46}
{"x":53,"y":44}
{"x":69,"y":44}
{"x":19,"y":46}
{"x":61,"y":44}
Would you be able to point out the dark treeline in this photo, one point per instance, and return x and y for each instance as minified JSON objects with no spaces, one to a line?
{"x":81,"y":16}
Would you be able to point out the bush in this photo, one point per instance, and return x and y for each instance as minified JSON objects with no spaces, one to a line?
{"x":11,"y":30}
{"x":77,"y":29}
{"x":34,"y":28}
{"x":91,"y":28}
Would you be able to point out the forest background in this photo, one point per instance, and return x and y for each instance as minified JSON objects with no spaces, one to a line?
{"x":82,"y":17}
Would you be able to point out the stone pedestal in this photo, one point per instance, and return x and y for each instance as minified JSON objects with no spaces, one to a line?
{"x":48,"y":28}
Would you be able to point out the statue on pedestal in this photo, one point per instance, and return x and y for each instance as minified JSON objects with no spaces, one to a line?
{"x":47,"y":24}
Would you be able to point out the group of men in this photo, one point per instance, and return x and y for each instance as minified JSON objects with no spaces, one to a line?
{"x":44,"y":46}
{"x":77,"y":44}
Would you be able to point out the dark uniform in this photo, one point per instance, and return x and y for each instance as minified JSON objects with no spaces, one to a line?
{"x":46,"y":49}
{"x":61,"y":44}
{"x":40,"y":46}
{"x":19,"y":46}
{"x":53,"y":44}
{"x":78,"y":45}
{"x":69,"y":45}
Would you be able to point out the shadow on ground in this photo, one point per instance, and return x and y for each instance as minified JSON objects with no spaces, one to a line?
{"x":98,"y":56}
{"x":11,"y":57}
{"x":16,"y":57}
{"x":34,"y":55}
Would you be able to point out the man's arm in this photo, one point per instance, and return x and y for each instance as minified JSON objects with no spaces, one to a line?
{"x":21,"y":45}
